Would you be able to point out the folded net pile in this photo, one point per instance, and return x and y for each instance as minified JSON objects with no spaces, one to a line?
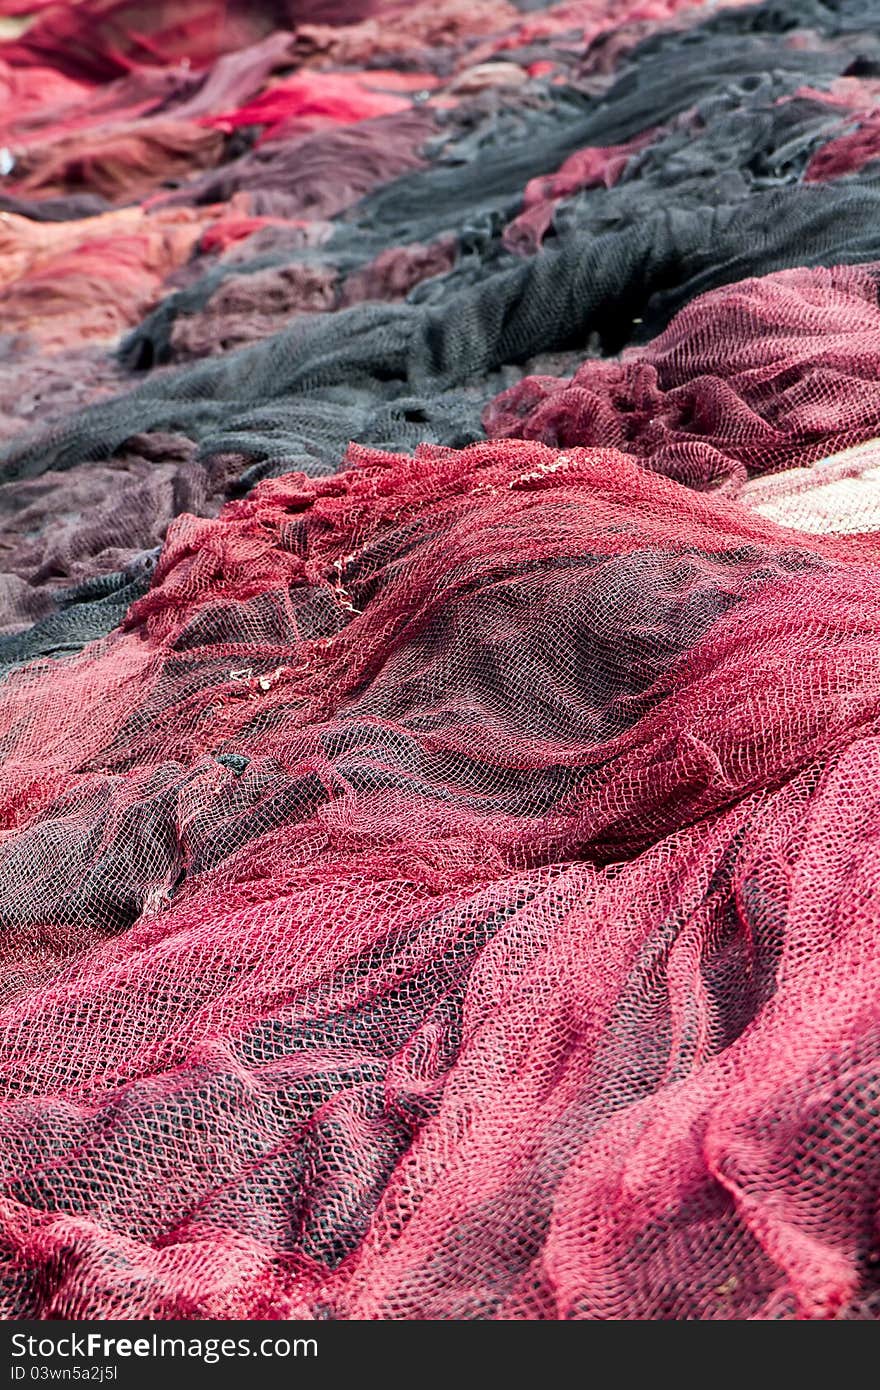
{"x":439,"y":684}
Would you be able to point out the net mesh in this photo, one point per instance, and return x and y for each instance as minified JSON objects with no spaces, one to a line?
{"x":771,"y":374}
{"x":451,"y":895}
{"x":440,"y":883}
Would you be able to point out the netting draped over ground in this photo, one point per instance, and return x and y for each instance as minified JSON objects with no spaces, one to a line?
{"x":439,"y":695}
{"x":451,"y":895}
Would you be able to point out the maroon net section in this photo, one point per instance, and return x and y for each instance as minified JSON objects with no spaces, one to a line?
{"x":454,"y":894}
{"x":768,"y":374}
{"x":101,"y":39}
{"x":848,"y":153}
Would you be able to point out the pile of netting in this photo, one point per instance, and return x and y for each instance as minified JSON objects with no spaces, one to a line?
{"x":439,"y":680}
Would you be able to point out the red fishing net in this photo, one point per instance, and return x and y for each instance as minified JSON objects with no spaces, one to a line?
{"x":848,"y":153}
{"x":453,"y":894}
{"x":450,"y":889}
{"x":101,"y":39}
{"x":769,"y":374}
{"x":310,"y":100}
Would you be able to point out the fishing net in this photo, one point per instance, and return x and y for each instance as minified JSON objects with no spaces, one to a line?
{"x":451,"y":895}
{"x":438,"y":872}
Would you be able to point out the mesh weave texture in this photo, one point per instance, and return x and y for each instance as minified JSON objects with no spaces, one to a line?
{"x":438,"y":872}
{"x":451,"y":895}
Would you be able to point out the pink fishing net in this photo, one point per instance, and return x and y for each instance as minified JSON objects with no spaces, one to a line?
{"x":452,"y":895}
{"x":451,"y":889}
{"x":769,"y":374}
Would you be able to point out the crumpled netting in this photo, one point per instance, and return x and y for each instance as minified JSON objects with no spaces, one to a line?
{"x":769,"y":374}
{"x":659,"y":82}
{"x":285,"y":177}
{"x":421,"y":30}
{"x":737,"y":138}
{"x":247,"y":308}
{"x":63,"y":529}
{"x":310,"y":100}
{"x":452,"y":895}
{"x":67,"y":616}
{"x":848,"y":152}
{"x":745,"y":136}
{"x":100,"y":39}
{"x":73,"y":282}
{"x":592,"y":167}
{"x":374,"y":372}
{"x":299,"y":397}
{"x":40,"y":389}
{"x":121,"y":164}
{"x":584,"y":21}
{"x":31,"y":115}
{"x":450,"y":890}
{"x":751,"y":131}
